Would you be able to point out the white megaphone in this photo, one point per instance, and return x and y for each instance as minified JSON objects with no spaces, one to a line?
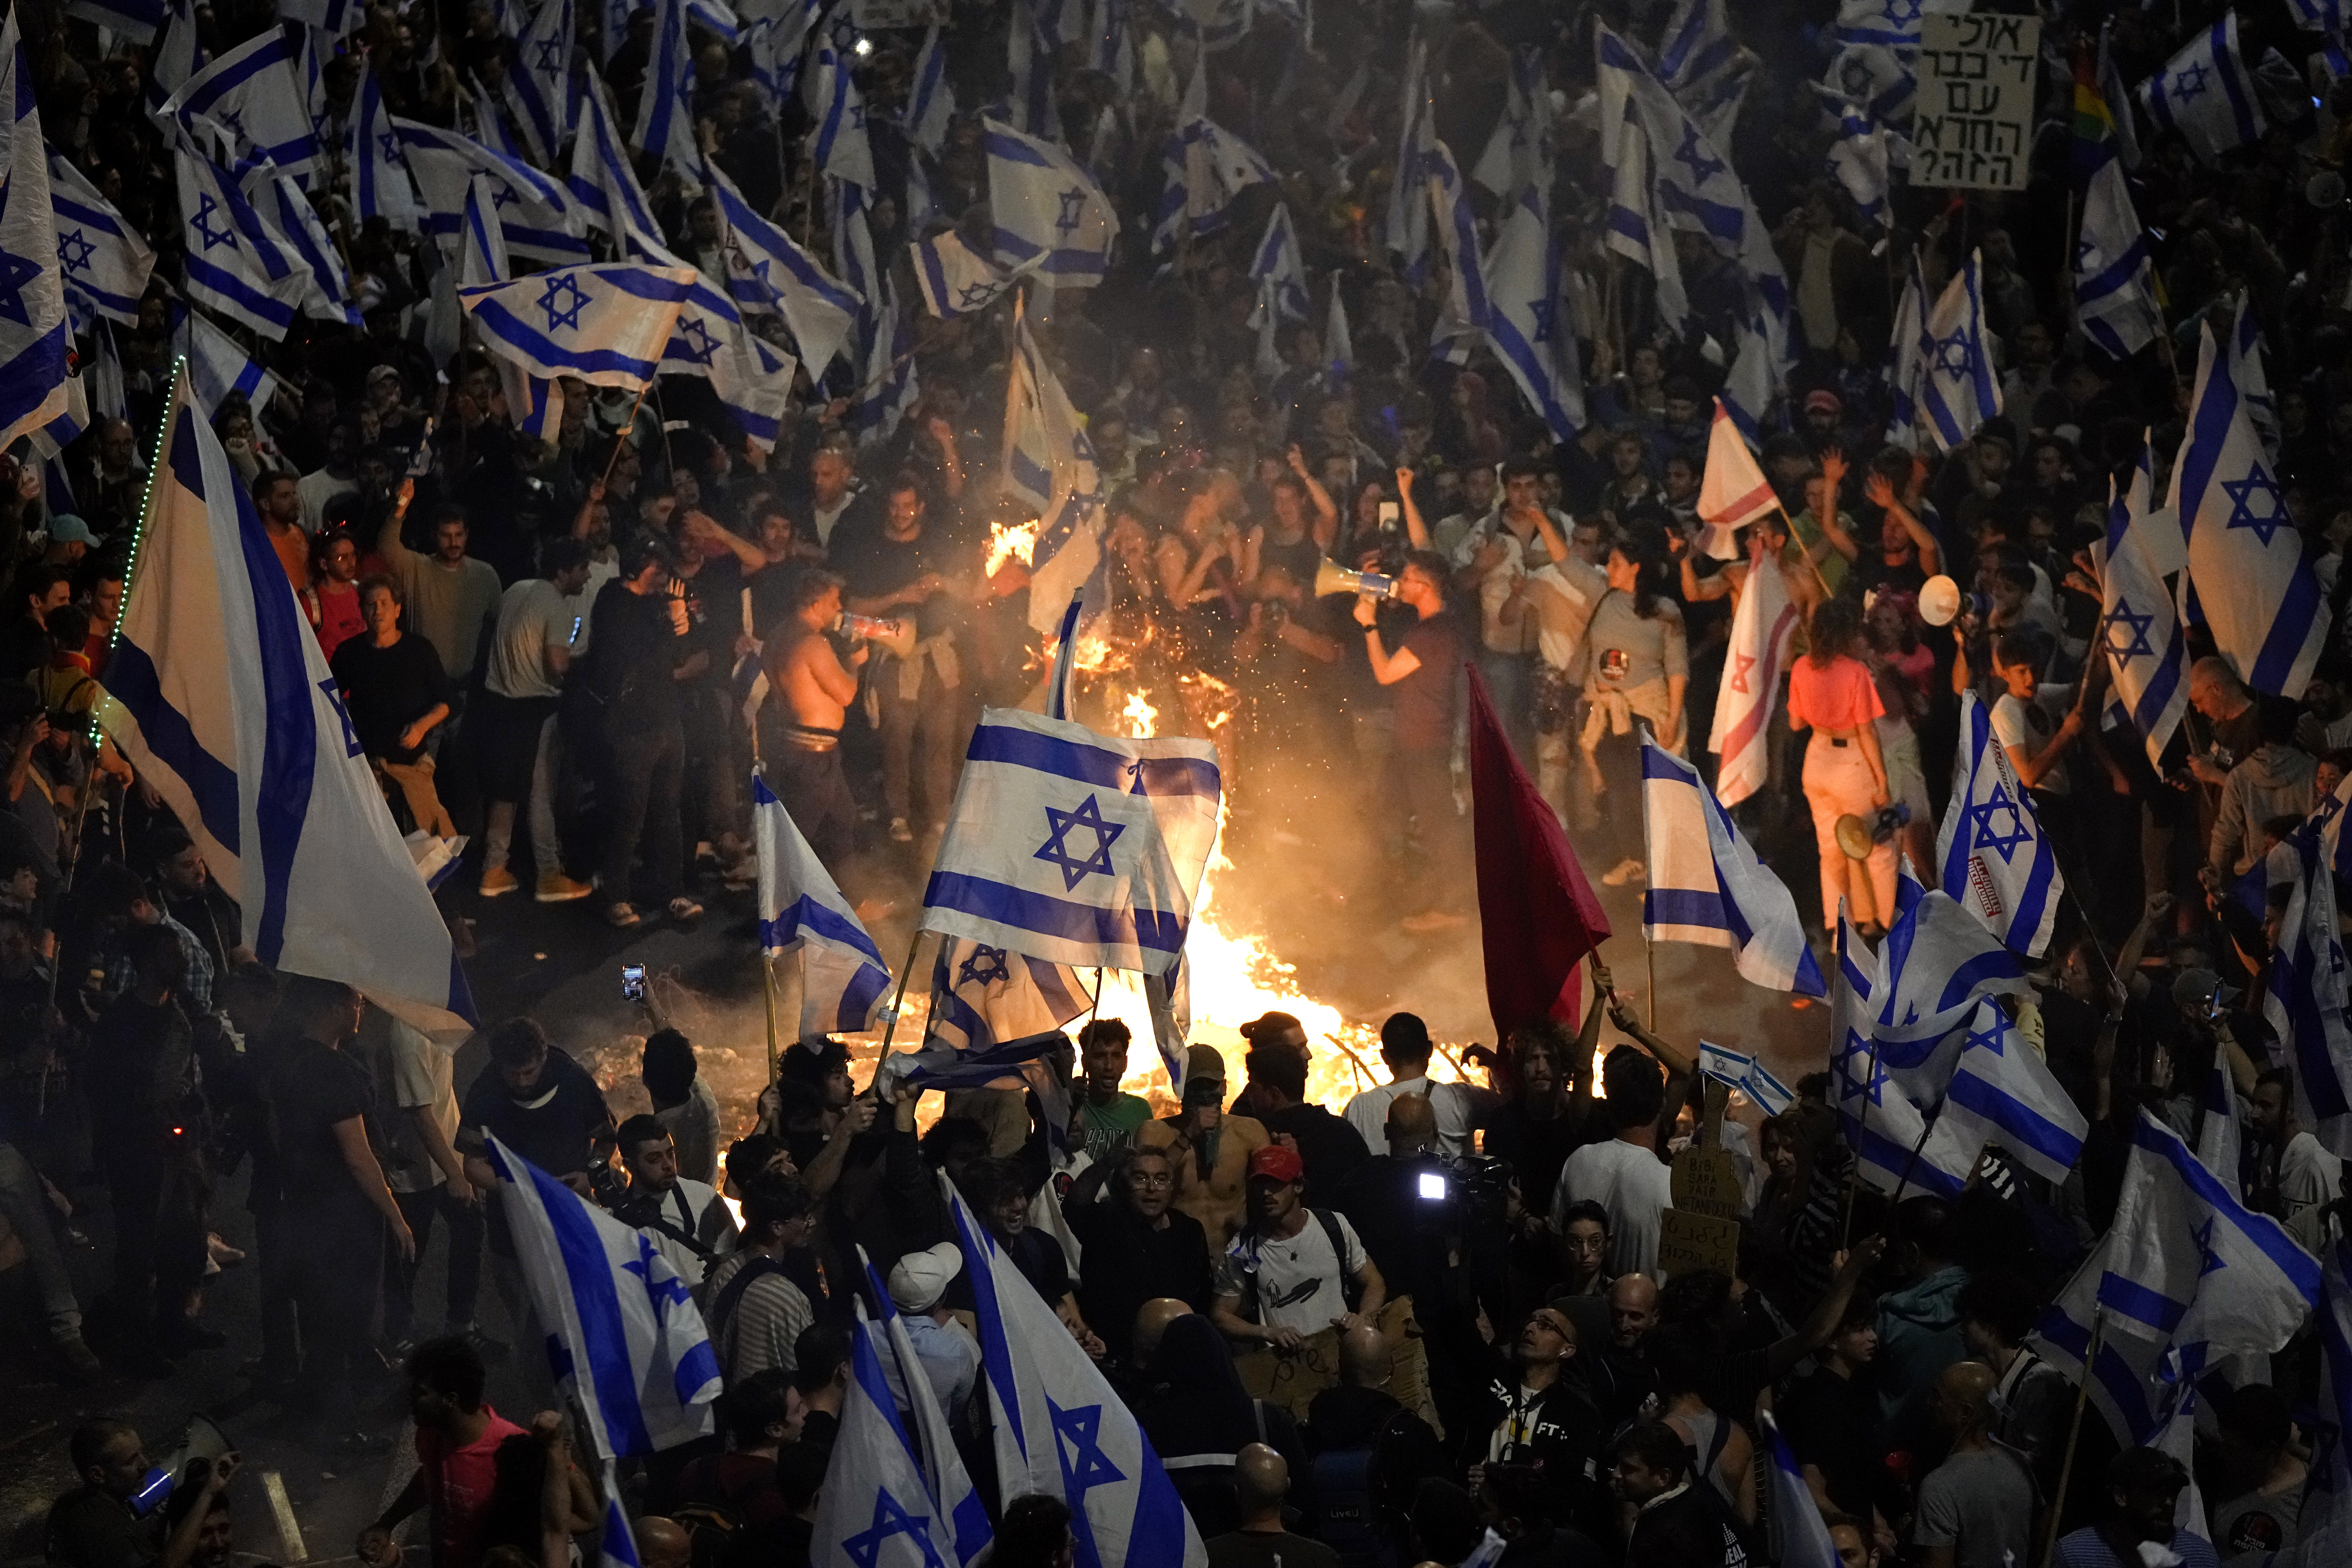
{"x":202,"y":1441}
{"x":894,"y":635}
{"x":1941,"y":601}
{"x":1330,"y":578}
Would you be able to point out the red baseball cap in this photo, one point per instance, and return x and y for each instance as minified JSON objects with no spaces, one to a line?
{"x":1275,"y":1162}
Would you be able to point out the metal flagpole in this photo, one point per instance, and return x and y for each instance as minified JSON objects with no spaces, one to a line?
{"x":890,"y":1025}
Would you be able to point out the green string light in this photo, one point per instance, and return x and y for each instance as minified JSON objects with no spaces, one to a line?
{"x":139,"y":536}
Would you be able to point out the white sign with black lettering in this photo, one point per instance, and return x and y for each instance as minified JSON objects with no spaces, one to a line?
{"x":1974,"y":123}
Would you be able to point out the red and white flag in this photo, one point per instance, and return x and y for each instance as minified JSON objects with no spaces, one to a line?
{"x":1735,"y":492}
{"x":1761,"y":632}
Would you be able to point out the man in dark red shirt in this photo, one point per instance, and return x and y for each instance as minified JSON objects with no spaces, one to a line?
{"x":457,"y":1439}
{"x":1423,"y":671}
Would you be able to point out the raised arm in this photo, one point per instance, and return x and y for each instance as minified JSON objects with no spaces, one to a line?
{"x":1415,"y":530}
{"x":1327,"y":511}
{"x":388,"y":542}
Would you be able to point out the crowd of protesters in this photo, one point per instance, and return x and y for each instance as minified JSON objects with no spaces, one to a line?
{"x":1360,"y":1334}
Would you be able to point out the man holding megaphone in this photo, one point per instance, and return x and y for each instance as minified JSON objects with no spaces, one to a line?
{"x":1419,"y":670}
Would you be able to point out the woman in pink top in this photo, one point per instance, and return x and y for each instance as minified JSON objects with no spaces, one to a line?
{"x":1831,"y":691}
{"x":332,"y":600}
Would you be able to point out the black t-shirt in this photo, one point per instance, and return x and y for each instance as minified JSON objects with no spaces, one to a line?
{"x":385,"y":689}
{"x":1403,"y":1233}
{"x":1040,"y":1259}
{"x":552,"y":1128}
{"x":1699,"y":1530}
{"x":1425,"y":698}
{"x":313,"y":1089}
{"x":91,"y":1529}
{"x":633,"y":649}
{"x":1127,"y":1263}
{"x":1536,"y":1147}
{"x":1832,"y":1422}
{"x":872,"y":565}
{"x":1269,"y":1549}
{"x":1328,"y":1147}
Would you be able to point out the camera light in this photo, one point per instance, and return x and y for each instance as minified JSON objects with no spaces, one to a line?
{"x":1432,"y":1185}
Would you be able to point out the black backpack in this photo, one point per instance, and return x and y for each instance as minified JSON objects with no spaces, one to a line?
{"x":1350,"y":1291}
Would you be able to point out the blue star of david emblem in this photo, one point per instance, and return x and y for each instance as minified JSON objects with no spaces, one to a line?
{"x":1084,"y":1464}
{"x":74,"y":250}
{"x":2255,"y":503}
{"x":551,"y":56}
{"x":1902,"y":11}
{"x":1856,"y":1047}
{"x":2207,"y":1259}
{"x":1955,"y":356}
{"x":1546,"y":313}
{"x":502,"y":195}
{"x":389,"y":142}
{"x":1980,"y":817}
{"x":561,"y":312}
{"x":865,"y":1549}
{"x":1701,"y":167}
{"x":700,"y":346}
{"x":2188,"y":82}
{"x":985,"y":966}
{"x":1055,"y":849}
{"x":1074,"y":205}
{"x":671,"y":1291}
{"x":208,"y":210}
{"x":1986,"y":1039}
{"x":857,"y":117}
{"x":233,"y":121}
{"x":2135,"y":628}
{"x":972,"y":296}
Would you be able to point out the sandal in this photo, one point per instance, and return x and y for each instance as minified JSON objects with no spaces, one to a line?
{"x":683,"y":908}
{"x":620,"y":917}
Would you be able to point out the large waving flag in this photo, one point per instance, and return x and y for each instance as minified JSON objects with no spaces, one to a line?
{"x":1889,"y":24}
{"x":218,"y":695}
{"x":534,"y":403}
{"x":2253,"y":381}
{"x":136,"y":20}
{"x":1406,"y":230}
{"x":2185,"y":1271}
{"x":1704,"y":67}
{"x":956,"y":279}
{"x":1800,"y":1538}
{"x":377,"y":164}
{"x":1733,"y":492}
{"x":2206,"y":93}
{"x":1959,"y":391}
{"x":1050,"y":464}
{"x":1050,"y":216}
{"x":838,"y":140}
{"x":875,"y":1510}
{"x":768,"y":272}
{"x":1935,"y":964}
{"x":34,"y":343}
{"x":251,"y":95}
{"x":665,"y":124}
{"x":1523,"y":317}
{"x":1706,"y":886}
{"x":1892,"y":1145}
{"x":1463,"y":316}
{"x":1060,"y":1427}
{"x":608,"y":325}
{"x":2003,"y":1092}
{"x":538,"y":78}
{"x":104,"y":261}
{"x":327,"y":291}
{"x":603,"y":185}
{"x":2304,"y":997}
{"x":1860,"y":160}
{"x":1204,"y":166}
{"x":2115,"y":281}
{"x":1636,"y":227}
{"x":983,"y":996}
{"x":1071,"y":845}
{"x":1279,"y":271}
{"x":2141,"y":635}
{"x":951,"y":1488}
{"x":2248,"y":579}
{"x":218,"y":369}
{"x":1995,"y":858}
{"x":2324,"y":1527}
{"x":233,"y":264}
{"x":1907,"y":364}
{"x":1517,"y":158}
{"x":539,"y":217}
{"x":1762,"y":630}
{"x":930,"y":102}
{"x":843,"y":978}
{"x":624,"y":1340}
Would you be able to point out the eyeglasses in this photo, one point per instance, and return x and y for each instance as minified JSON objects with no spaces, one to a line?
{"x":1152,"y":1183}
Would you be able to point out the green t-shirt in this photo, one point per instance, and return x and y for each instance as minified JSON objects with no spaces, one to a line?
{"x":1107,"y":1126}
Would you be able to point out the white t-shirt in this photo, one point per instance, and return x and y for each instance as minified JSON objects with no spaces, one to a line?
{"x":1458,"y":1107}
{"x":532,"y":618}
{"x":599,"y":573}
{"x":316,"y":490}
{"x":2031,"y":725}
{"x":693,"y":1206}
{"x":420,"y":1080}
{"x":1633,"y":1184}
{"x":1301,"y":1286}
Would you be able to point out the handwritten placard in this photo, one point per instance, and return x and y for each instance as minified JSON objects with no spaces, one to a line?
{"x":1688,"y":1240}
{"x":1705,"y":1181}
{"x":1974,"y":123}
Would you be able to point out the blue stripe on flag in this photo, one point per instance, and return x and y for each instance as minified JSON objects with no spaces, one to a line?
{"x":1685,"y":907}
{"x":2266,"y":1234}
{"x":588,"y":1273}
{"x":995,"y":1351}
{"x":509,"y":328}
{"x":806,"y":913}
{"x":2290,"y":630}
{"x":131,"y":680}
{"x":1154,"y":930}
{"x":1095,"y":766}
{"x":2138,"y":1302}
{"x":2016,"y":1119}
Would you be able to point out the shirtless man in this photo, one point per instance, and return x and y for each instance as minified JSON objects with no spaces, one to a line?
{"x":808,"y":680}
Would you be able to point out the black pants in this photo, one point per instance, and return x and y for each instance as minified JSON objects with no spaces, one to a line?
{"x":338,"y":1266}
{"x":1444,"y":835}
{"x":159,"y":1240}
{"x":639,"y":791}
{"x":816,"y":791}
{"x":466,"y":1226}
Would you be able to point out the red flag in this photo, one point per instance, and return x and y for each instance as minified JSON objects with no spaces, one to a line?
{"x":1538,"y":912}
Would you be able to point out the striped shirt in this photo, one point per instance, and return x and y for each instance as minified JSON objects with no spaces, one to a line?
{"x":766,"y":1322}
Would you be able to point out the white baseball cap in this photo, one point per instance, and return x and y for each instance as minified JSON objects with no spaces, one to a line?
{"x":918,"y":1279}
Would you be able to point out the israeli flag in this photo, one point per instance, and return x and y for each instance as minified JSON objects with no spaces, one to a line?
{"x":2303,"y":995}
{"x":1406,"y":230}
{"x":956,"y":279}
{"x":1279,"y":265}
{"x":35,"y":341}
{"x":838,"y":142}
{"x":233,"y":264}
{"x":2206,"y":93}
{"x":843,"y":981}
{"x":135,"y":20}
{"x":1889,"y":24}
{"x":108,"y":399}
{"x":2184,"y":1265}
{"x":1060,"y":1428}
{"x":603,"y":186}
{"x":769,"y":273}
{"x":538,"y":78}
{"x":2248,"y":579}
{"x":1958,"y":389}
{"x":2003,"y":1092}
{"x":327,"y":294}
{"x":2324,"y":1527}
{"x":1066,"y":651}
{"x":1050,"y":464}
{"x":378,"y":163}
{"x":1995,"y":858}
{"x":2253,"y":381}
{"x":1339,"y":343}
{"x":104,"y":261}
{"x":1706,"y":886}
{"x":910,"y":1389}
{"x":1050,"y":216}
{"x":1634,"y":227}
{"x":983,"y":996}
{"x":1524,"y":320}
{"x":1205,"y":168}
{"x":1907,"y":374}
{"x":1763,"y":628}
{"x":1029,"y":67}
{"x":178,"y":56}
{"x":534,"y":404}
{"x":930,"y":101}
{"x":251,"y":96}
{"x":777,"y":46}
{"x":1889,"y":1136}
{"x":846,"y":206}
{"x":624,"y":1340}
{"x":489,"y":128}
{"x":538,"y":215}
{"x":218,"y":695}
{"x":875,"y":1510}
{"x":1736,"y":1070}
{"x":940,"y":1065}
{"x":666,"y":105}
{"x":1066,"y":845}
{"x":1517,"y":158}
{"x":750,"y":377}
{"x":608,"y":325}
{"x":1704,"y":67}
{"x":1800,"y":1538}
{"x":218,"y":369}
{"x":1859,"y":161}
{"x":1935,"y":964}
{"x":2141,"y":636}
{"x":2218,"y":1140}
{"x":1463,"y":314}
{"x":2115,"y":279}
{"x":889,"y":389}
